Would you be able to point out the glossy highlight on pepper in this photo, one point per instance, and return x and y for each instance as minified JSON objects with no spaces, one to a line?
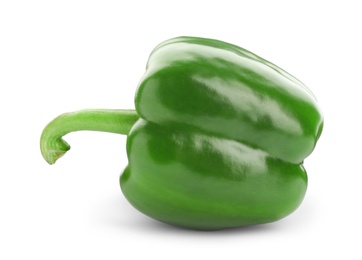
{"x":217,"y":140}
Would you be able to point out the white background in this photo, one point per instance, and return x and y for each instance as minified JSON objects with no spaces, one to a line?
{"x":60,"y":56}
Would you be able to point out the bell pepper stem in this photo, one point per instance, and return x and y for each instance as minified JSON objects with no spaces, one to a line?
{"x":52,"y":145}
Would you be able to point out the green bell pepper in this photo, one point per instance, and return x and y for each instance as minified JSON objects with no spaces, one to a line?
{"x":217,"y":139}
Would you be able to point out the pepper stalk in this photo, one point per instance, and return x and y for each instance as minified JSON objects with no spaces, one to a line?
{"x":117,"y":121}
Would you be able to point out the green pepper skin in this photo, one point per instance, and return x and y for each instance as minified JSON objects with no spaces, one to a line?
{"x":217,"y":140}
{"x":221,"y":138}
{"x":224,"y":90}
{"x":188,"y":179}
